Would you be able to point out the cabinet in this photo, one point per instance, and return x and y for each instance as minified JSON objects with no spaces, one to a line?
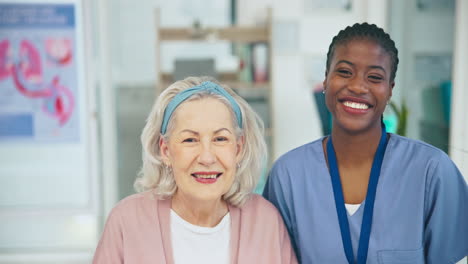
{"x":252,"y":82}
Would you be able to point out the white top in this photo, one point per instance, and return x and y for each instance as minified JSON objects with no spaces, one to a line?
{"x":352,"y":208}
{"x":196,"y":244}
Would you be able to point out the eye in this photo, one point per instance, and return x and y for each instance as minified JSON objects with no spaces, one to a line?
{"x":344,"y":72}
{"x":375,"y":78}
{"x":220,"y":139}
{"x":189,"y":140}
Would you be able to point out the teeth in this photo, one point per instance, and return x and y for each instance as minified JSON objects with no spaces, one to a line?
{"x":209,"y":176}
{"x":356,"y":105}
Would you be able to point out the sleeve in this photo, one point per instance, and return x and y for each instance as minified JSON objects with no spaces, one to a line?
{"x":278,"y":193}
{"x":110,"y":247}
{"x":446,"y":214}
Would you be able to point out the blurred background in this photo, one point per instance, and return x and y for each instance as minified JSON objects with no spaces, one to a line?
{"x":78,"y":78}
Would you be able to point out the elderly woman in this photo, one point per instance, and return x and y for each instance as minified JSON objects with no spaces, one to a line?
{"x":202,"y":153}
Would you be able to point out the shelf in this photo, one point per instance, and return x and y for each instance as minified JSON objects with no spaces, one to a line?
{"x":233,"y":34}
{"x":228,"y":78}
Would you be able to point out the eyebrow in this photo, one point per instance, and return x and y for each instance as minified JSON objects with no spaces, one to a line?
{"x":189,"y":131}
{"x":221,"y":129}
{"x":196,"y":133}
{"x":352,"y":64}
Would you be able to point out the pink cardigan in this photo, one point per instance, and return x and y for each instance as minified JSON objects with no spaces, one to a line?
{"x":138,"y":231}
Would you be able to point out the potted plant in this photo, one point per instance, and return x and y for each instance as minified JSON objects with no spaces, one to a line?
{"x":402,"y":116}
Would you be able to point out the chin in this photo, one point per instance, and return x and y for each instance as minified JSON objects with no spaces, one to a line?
{"x":210,"y":196}
{"x":356,"y":126}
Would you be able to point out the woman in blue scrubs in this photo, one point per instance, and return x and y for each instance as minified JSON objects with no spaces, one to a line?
{"x":362,"y":195}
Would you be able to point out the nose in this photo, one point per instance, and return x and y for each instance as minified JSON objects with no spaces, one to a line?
{"x":358,"y":85}
{"x":207,"y":156}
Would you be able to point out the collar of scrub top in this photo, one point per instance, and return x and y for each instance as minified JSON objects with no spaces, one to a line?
{"x":185,"y":94}
{"x":368,"y":207}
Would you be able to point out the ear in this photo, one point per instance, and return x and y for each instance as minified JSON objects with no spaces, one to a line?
{"x":164,"y":151}
{"x":324,"y":83}
{"x":392,"y":84}
{"x":240,"y":147}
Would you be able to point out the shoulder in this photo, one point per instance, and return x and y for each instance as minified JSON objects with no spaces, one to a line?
{"x":259,"y":207}
{"x":135,"y":205}
{"x":293,"y":168}
{"x":415,"y":147}
{"x":259,"y":218}
{"x":418,"y":153}
{"x":138,"y":199}
{"x":415,"y":155}
{"x":298,"y":155}
{"x":137,"y":214}
{"x":423,"y":157}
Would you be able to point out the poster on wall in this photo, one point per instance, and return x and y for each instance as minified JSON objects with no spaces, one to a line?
{"x":38,"y":73}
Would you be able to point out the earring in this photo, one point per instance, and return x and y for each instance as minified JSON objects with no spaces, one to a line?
{"x":168,"y":168}
{"x":323,"y":91}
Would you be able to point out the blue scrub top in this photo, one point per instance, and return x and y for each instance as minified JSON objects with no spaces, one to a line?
{"x":420,"y":211}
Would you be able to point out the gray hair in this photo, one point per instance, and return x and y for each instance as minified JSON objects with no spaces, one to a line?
{"x":155,"y":176}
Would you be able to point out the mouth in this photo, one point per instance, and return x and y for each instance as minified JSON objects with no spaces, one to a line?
{"x":206,"y":177}
{"x":355,"y":105}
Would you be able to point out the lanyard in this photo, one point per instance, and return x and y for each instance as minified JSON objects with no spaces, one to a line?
{"x":369,"y":205}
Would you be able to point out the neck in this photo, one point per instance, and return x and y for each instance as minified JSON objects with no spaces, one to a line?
{"x":200,"y":213}
{"x":352,"y":149}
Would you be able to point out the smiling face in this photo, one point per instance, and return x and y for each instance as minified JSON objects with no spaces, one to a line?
{"x":358,"y":85}
{"x":202,"y":150}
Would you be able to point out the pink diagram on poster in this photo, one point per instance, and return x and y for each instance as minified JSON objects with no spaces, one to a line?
{"x":59,"y":50}
{"x":5,"y":64}
{"x":30,"y":62}
{"x":57,"y":100}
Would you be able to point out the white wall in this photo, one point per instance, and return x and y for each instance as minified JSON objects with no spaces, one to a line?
{"x":132,"y":40}
{"x":459,"y":127}
{"x":107,"y":105}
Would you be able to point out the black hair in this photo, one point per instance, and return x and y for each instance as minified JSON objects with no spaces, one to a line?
{"x":368,"y":32}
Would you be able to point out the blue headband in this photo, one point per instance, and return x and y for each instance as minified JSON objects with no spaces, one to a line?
{"x":185,"y":94}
